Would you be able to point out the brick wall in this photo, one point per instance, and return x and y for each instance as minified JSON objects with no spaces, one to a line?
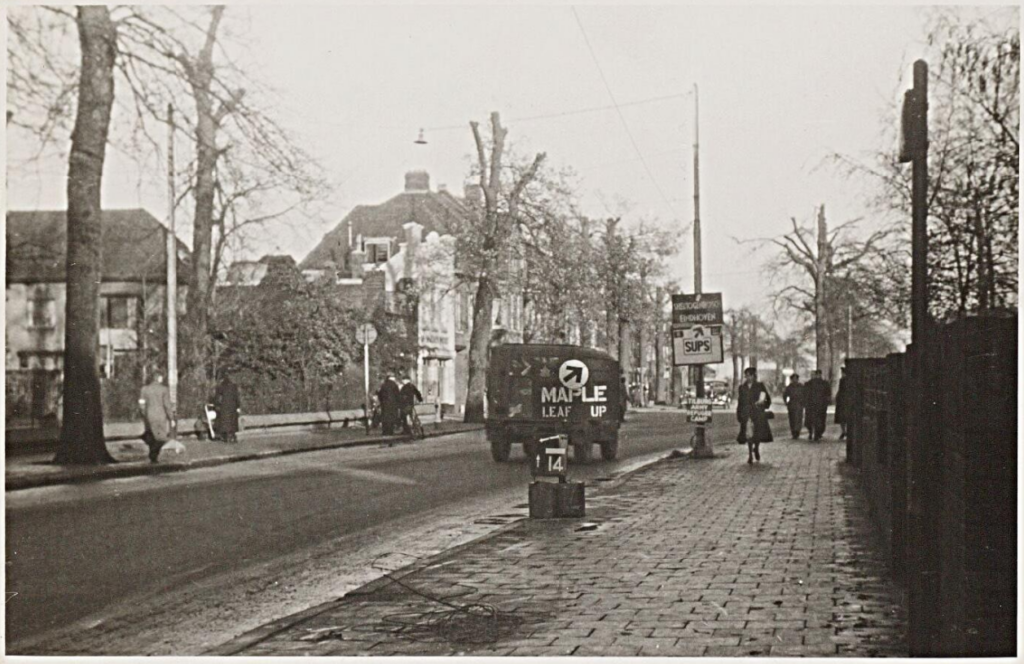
{"x":979,"y":487}
{"x":957,"y":553}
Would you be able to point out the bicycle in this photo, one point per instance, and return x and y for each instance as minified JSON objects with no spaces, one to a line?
{"x":416,"y":425}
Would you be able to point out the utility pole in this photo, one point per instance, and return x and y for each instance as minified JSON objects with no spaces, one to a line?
{"x":702,"y":446}
{"x":172,"y":279}
{"x":924,"y":454}
{"x":849,"y":331}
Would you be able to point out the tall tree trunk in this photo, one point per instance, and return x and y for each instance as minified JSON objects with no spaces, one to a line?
{"x":200,"y":75}
{"x":496,"y":229}
{"x":625,"y":348}
{"x":479,"y":350}
{"x":81,"y":435}
{"x":820,"y":315}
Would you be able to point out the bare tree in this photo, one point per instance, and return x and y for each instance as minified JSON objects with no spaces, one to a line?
{"x":494,"y":231}
{"x":81,"y":435}
{"x":821,"y":260}
{"x":974,"y":148}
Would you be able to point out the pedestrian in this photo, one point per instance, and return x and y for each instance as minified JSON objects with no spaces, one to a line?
{"x":794,"y":398}
{"x":842,"y":405}
{"x":408,"y":396}
{"x":817,"y":397}
{"x":157,"y":414}
{"x":228,"y":404}
{"x":752,"y":406}
{"x":388,"y":395}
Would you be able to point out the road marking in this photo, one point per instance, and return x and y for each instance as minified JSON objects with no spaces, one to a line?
{"x":374,"y":475}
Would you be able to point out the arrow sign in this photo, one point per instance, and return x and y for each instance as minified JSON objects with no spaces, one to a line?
{"x":573,"y":374}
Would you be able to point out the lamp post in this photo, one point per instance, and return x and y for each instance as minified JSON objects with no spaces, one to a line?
{"x":702,"y":446}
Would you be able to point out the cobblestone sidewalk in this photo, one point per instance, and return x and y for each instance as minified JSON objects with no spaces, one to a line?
{"x":683,"y":558}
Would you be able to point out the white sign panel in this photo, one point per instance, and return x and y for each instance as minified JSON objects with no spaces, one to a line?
{"x":698,"y":344}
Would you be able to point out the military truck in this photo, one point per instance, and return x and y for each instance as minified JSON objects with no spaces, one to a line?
{"x":539,"y":390}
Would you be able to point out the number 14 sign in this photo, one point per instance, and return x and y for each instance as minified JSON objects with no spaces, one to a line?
{"x":551,"y":459}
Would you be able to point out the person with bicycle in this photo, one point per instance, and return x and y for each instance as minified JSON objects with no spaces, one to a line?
{"x":408,"y":396}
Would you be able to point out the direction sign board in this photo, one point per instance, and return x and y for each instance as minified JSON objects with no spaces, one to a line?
{"x":697,"y":345}
{"x":698,"y":409}
{"x":366,"y":333}
{"x":696,"y":309}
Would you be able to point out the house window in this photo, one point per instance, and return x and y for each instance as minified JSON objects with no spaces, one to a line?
{"x":377,"y":252}
{"x":119,"y":312}
{"x":42,"y":312}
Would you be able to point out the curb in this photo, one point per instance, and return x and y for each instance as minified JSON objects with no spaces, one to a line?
{"x":115,"y":471}
{"x":238,"y":644}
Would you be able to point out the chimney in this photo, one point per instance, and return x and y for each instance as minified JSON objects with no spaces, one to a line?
{"x":356,"y":259}
{"x":474,"y":194}
{"x":442,"y":187}
{"x":417,"y":182}
{"x":413,"y":237}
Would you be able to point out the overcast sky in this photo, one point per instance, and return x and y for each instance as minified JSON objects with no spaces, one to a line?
{"x":780,"y":89}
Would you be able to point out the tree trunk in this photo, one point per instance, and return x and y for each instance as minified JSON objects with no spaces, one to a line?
{"x":625,"y":348}
{"x":200,"y":281}
{"x":479,"y":350}
{"x":820,"y":316}
{"x":81,"y":435}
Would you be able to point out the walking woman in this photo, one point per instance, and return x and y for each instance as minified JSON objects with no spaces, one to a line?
{"x":752,"y":406}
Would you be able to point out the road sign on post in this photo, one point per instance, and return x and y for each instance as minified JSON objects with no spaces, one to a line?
{"x":698,"y":409}
{"x":697,"y":329}
{"x":366,"y":334}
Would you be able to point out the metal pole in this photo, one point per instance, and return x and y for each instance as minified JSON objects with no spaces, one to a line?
{"x":172,"y":279}
{"x":701,"y":443}
{"x":919,"y":202}
{"x":366,"y":377}
{"x":849,"y":331}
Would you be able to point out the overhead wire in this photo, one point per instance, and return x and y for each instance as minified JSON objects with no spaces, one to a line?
{"x":618,"y":110}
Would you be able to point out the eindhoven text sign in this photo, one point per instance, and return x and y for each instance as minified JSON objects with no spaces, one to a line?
{"x":703,"y":309}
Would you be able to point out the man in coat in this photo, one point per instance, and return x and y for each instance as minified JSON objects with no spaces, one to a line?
{"x":794,"y":398}
{"x":752,"y":406}
{"x":228,"y":405}
{"x":388,"y":396}
{"x":408,"y":396}
{"x":157,"y":414}
{"x":817,"y":397}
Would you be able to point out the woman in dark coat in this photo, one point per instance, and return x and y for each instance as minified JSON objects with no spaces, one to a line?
{"x":841,"y":415}
{"x":228,"y":405}
{"x":388,"y":395}
{"x":752,"y":406}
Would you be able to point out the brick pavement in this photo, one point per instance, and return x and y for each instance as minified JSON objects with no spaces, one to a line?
{"x":688,"y":558}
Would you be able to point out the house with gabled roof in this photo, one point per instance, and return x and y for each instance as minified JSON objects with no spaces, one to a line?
{"x":408,"y":239}
{"x":133,"y":290}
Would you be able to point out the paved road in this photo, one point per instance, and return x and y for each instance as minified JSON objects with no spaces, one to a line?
{"x":76,"y":551}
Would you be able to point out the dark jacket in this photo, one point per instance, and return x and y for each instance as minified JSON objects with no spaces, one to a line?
{"x":794,"y":395}
{"x":748,"y":408}
{"x":226,"y":402}
{"x":817,"y":394}
{"x":841,"y":402}
{"x":409,"y":395}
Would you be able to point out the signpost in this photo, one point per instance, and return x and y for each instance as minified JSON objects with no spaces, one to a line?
{"x":366,"y":334}
{"x":697,"y":340}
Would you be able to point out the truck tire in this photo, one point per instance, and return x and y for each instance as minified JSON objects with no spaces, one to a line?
{"x":609,"y":450}
{"x":500,"y":449}
{"x":530,"y":450}
{"x":581,"y":452}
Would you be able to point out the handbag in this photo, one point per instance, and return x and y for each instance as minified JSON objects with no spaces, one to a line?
{"x":769,"y":415}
